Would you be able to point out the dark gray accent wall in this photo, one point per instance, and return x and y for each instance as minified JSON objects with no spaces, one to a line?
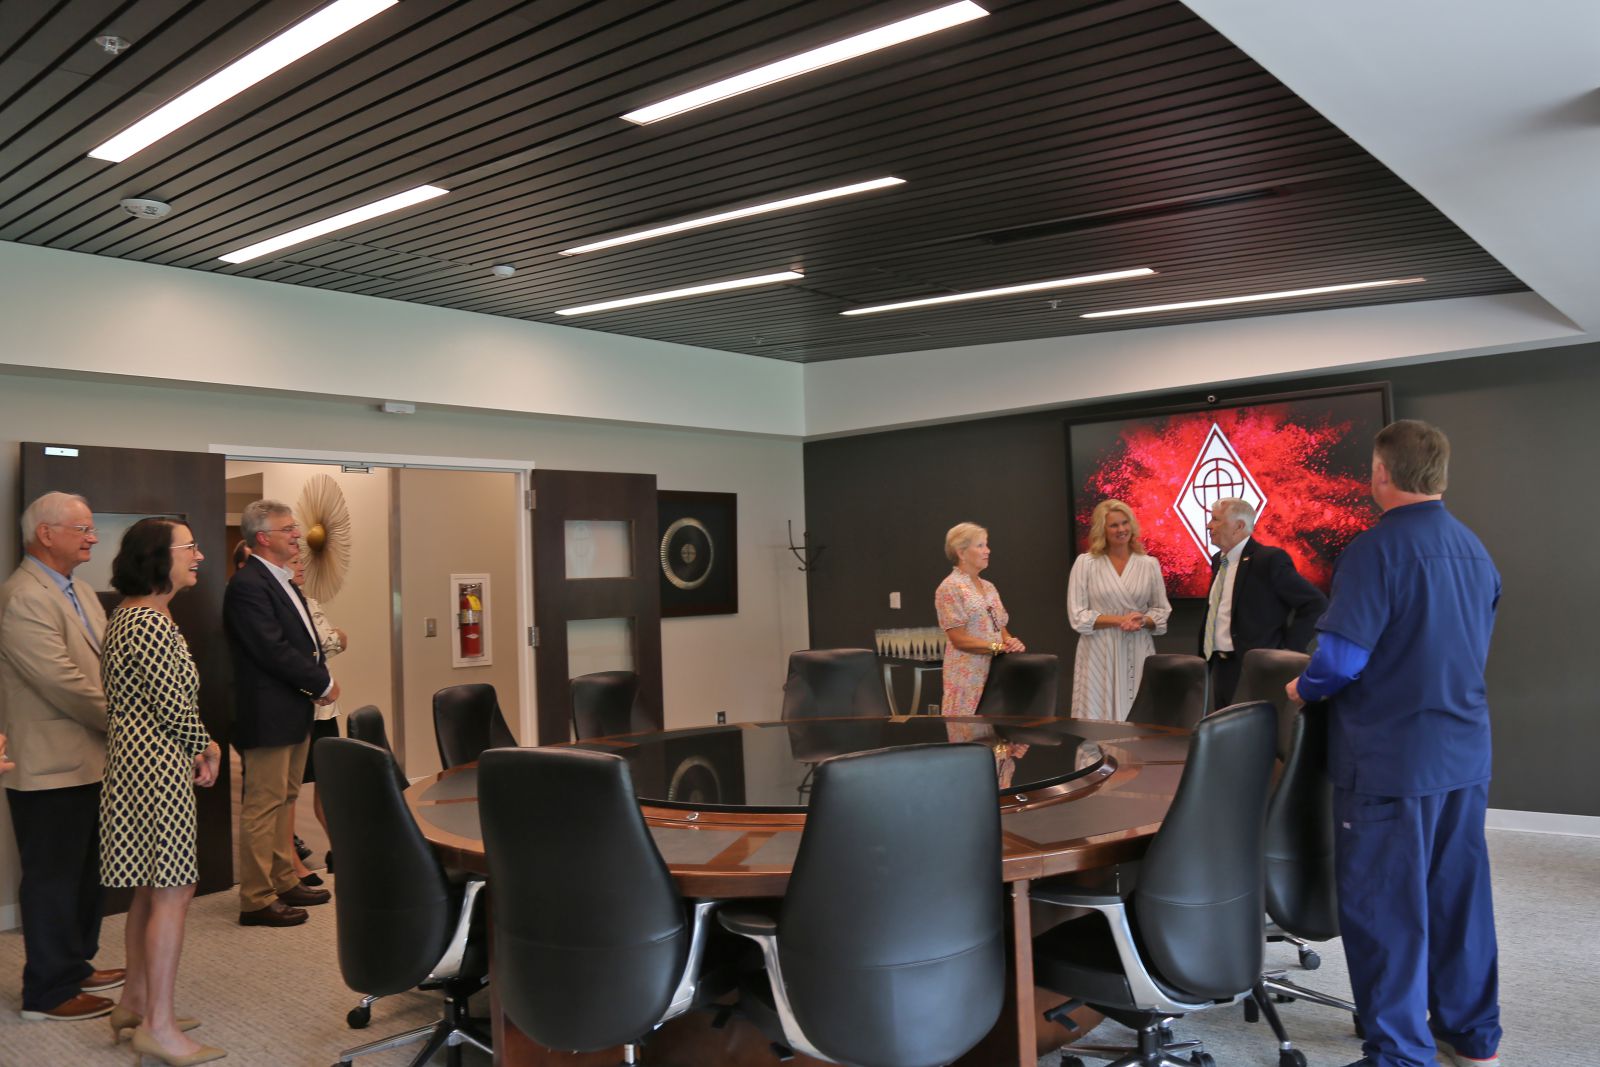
{"x":1526,"y":450}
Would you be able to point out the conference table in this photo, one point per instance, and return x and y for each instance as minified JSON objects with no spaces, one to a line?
{"x":726,"y":807}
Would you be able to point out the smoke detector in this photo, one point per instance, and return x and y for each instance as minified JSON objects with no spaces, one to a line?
{"x":502,"y":270}
{"x":140,"y":208}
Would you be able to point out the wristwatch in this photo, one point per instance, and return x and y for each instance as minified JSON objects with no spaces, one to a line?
{"x":994,"y":648}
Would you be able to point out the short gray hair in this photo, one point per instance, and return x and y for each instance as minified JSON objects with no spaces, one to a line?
{"x":257,"y":518}
{"x":1233,"y":507}
{"x":48,"y":510}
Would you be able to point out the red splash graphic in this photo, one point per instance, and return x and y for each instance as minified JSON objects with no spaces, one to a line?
{"x":1315,"y":506}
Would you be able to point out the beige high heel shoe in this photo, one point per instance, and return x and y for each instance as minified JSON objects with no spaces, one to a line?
{"x":124,"y":1021}
{"x":145,"y":1045}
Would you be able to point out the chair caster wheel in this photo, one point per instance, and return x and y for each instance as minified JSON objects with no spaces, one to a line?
{"x":1291,"y":1057}
{"x":1166,"y":1035}
{"x":1309,"y":959}
{"x":1203,"y":1059}
{"x":1071,"y":1061}
{"x":358,"y":1018}
{"x":1252,"y":1012}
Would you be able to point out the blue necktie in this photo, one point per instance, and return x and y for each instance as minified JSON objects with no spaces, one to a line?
{"x":94,"y":639}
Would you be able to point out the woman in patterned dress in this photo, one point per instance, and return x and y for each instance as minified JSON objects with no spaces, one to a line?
{"x":971,"y":615}
{"x":157,"y":752}
{"x":1116,"y":599}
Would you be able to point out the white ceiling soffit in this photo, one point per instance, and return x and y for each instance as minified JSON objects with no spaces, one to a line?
{"x":1489,"y":109}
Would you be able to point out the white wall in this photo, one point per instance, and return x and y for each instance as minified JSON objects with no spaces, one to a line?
{"x":734,"y":663}
{"x":68,"y":311}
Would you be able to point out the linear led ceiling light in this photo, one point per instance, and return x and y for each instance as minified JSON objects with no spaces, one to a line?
{"x":337,"y":222}
{"x":736,"y":213}
{"x":1287,"y":294}
{"x":984,"y":294}
{"x":940,"y":18}
{"x":693,"y":290}
{"x":305,"y":36}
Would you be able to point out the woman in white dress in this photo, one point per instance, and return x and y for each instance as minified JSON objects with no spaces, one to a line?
{"x":1116,"y":599}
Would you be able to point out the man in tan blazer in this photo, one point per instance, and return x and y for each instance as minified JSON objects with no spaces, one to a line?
{"x":53,"y":711}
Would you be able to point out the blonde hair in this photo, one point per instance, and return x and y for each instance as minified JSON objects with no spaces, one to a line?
{"x":1097,"y":527}
{"x":1416,"y":454}
{"x":960,"y":537}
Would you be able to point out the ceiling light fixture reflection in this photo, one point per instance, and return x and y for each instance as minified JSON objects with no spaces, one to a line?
{"x":337,"y":222}
{"x":693,"y":290}
{"x":304,"y":37}
{"x":940,"y":18}
{"x":736,"y":213}
{"x":1287,"y":294}
{"x":984,"y":294}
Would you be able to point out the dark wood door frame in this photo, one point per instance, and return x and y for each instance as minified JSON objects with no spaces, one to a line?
{"x":147,"y":481}
{"x":563,"y":496}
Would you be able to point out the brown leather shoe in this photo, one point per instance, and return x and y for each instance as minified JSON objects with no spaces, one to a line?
{"x":303,"y":896}
{"x":82,"y":1006}
{"x":274,"y":914}
{"x":107,"y":979}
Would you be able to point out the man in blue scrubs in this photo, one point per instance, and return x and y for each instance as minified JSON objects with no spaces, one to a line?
{"x":1401,"y":655}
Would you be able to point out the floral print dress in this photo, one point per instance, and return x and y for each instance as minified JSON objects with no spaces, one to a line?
{"x":973,"y":605}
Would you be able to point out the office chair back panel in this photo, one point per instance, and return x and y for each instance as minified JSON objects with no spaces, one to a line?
{"x":1198,"y":904}
{"x":602,"y":704}
{"x":466,"y":722}
{"x":590,"y":933}
{"x":1300,"y":892}
{"x":891,"y":935}
{"x":834,"y":682}
{"x":1172,"y":692}
{"x":394,"y":906}
{"x":1021,"y":683}
{"x":366,"y":724}
{"x":1263,"y":674}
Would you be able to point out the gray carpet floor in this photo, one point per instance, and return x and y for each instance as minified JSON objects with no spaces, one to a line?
{"x":274,"y":997}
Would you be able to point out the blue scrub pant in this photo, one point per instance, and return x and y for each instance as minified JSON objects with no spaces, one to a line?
{"x":1418,"y":923}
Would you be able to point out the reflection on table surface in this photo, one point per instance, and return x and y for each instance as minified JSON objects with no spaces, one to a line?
{"x":768,"y":766}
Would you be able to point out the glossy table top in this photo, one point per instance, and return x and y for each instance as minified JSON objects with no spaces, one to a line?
{"x":726,"y":805}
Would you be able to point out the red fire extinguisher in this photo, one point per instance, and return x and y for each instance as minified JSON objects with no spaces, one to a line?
{"x":471,"y":609}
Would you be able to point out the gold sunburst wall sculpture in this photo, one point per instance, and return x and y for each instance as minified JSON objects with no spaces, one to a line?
{"x":326,"y":521}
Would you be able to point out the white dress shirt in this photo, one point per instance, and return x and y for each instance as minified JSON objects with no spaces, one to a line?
{"x":286,"y":579}
{"x":1224,"y":632}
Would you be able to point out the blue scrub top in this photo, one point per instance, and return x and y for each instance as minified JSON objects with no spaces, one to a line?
{"x":1420,"y":591}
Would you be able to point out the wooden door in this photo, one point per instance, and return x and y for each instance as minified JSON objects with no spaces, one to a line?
{"x":581,"y":497}
{"x":135,"y":482}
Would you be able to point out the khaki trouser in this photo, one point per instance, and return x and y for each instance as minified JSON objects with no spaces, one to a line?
{"x":271,"y":785}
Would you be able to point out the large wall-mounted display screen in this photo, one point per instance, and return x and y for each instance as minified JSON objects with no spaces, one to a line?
{"x":1303,"y":460}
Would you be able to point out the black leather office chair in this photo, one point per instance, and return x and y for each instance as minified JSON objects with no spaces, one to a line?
{"x":402,"y":922}
{"x":1263,"y":673}
{"x":889,"y":945}
{"x":602,"y":704}
{"x":834,"y":682}
{"x":1172,"y":692}
{"x":366,"y":724}
{"x":1301,"y":897}
{"x":593,"y":945}
{"x":1187,"y":935}
{"x":1021,"y":683}
{"x":467,"y":722}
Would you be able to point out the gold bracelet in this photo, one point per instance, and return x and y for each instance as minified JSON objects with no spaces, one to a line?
{"x":994,"y":648}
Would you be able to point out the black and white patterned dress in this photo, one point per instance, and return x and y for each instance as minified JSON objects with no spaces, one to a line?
{"x":147,"y":806}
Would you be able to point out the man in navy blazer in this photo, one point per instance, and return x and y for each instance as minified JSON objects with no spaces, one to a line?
{"x":1257,"y":599}
{"x":279,"y":673}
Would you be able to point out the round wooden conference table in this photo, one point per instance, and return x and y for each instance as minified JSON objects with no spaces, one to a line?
{"x":726,"y":807}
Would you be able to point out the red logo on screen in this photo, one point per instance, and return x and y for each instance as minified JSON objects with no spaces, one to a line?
{"x":1218,"y":472}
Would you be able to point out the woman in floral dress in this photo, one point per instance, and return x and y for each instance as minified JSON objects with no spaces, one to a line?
{"x":971,"y":615}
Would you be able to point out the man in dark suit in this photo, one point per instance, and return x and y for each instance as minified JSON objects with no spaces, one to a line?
{"x":278,"y":675}
{"x":1257,"y":600}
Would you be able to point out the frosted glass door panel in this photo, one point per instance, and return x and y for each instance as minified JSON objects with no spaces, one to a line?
{"x":599,"y":645}
{"x":598,"y":549}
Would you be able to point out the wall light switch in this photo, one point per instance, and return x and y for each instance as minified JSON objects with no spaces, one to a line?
{"x":430,"y":627}
{"x":894,"y":600}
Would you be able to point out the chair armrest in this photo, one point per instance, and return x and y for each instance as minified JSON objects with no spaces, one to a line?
{"x":1067,"y":896}
{"x":748,"y":921}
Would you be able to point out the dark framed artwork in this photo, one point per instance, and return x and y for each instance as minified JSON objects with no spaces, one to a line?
{"x":698,"y":535}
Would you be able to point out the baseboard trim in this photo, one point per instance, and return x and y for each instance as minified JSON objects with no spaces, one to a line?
{"x":1543,"y":822}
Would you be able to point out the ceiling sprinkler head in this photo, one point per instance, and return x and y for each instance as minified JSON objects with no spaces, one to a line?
{"x":112,"y":44}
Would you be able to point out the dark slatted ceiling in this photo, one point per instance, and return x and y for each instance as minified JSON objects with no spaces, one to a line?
{"x":1051,"y":139}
